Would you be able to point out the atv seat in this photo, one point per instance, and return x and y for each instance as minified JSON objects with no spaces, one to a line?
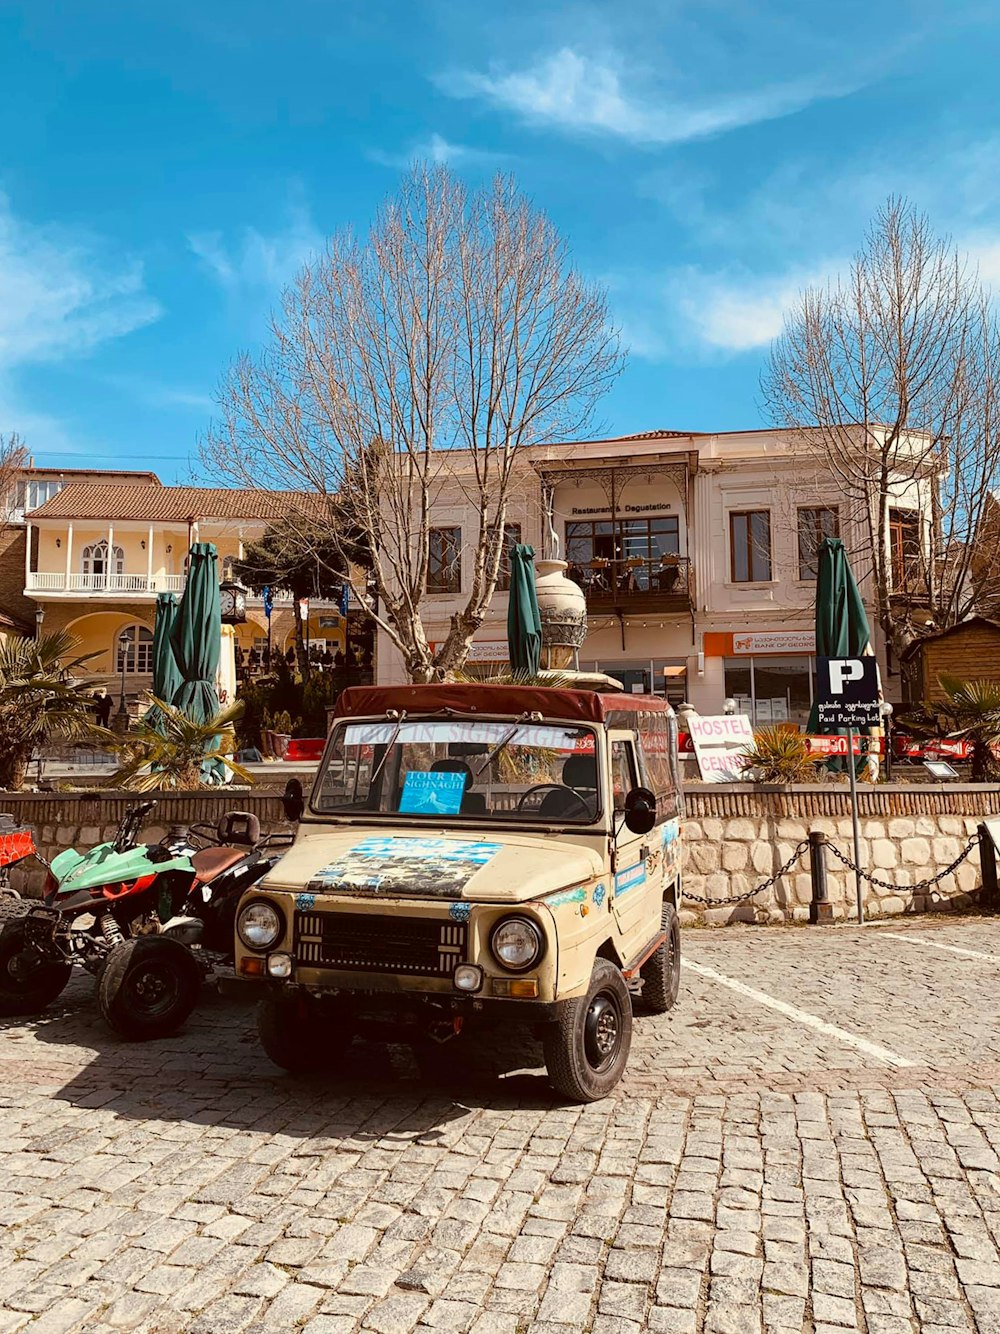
{"x":210,"y":862}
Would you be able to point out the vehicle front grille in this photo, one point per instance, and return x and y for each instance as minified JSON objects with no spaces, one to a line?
{"x":367,"y":943}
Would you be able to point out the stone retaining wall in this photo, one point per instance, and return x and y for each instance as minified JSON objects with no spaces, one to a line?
{"x":736,"y":837}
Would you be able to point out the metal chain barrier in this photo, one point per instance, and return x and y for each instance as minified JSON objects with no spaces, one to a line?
{"x":758,"y":889}
{"x":922,"y":884}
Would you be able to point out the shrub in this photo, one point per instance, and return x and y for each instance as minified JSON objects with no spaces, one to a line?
{"x":778,"y":756}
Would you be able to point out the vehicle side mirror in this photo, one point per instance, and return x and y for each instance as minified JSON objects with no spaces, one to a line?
{"x":293,"y":801}
{"x":640,"y":810}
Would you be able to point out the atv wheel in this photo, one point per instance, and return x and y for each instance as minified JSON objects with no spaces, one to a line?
{"x":28,"y":981}
{"x":661,"y":973}
{"x":297,"y":1035}
{"x":586,"y":1049}
{"x":148,"y":987}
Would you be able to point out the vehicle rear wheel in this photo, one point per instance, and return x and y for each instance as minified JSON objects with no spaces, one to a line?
{"x":298,"y":1035}
{"x":661,"y":973}
{"x":586,"y":1049}
{"x":28,"y":981}
{"x":148,"y":987}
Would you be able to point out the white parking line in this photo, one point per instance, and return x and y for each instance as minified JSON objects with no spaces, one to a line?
{"x":801,"y":1016}
{"x":936,"y":945}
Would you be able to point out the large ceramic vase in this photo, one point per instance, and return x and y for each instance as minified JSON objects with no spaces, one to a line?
{"x":563,"y":610}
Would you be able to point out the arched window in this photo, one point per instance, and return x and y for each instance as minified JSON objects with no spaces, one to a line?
{"x":97,"y":564}
{"x":137,"y":653}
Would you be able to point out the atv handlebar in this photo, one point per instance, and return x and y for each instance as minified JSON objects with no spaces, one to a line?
{"x":130,"y":824}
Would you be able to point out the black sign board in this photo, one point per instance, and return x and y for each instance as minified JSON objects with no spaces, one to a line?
{"x":847,"y":692}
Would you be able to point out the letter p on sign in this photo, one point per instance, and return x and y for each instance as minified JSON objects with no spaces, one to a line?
{"x":843,"y":670}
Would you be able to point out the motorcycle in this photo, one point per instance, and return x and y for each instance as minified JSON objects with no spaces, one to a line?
{"x":149,"y":921}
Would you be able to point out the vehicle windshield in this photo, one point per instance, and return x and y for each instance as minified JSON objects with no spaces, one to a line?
{"x":538,"y":772}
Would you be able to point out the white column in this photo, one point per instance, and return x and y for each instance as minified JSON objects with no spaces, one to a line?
{"x":149,"y":560}
{"x":109,"y":568}
{"x":27,"y":557}
{"x":69,"y":554}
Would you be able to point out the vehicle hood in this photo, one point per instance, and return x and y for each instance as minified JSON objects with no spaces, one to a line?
{"x":506,"y":869}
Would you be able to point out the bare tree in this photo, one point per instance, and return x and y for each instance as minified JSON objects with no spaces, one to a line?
{"x":13,"y":457}
{"x":890,"y":376}
{"x":409,"y":371}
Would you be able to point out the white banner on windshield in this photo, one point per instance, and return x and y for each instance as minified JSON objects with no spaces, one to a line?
{"x":481,"y":733}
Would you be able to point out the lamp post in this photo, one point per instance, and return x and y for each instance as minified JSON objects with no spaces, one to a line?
{"x":120,"y":723}
{"x":39,"y":618}
{"x":886,"y":710}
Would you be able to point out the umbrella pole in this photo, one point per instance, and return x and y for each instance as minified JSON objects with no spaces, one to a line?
{"x":855,"y":824}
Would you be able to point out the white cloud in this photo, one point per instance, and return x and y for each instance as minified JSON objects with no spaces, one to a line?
{"x":576,"y":92}
{"x":438,"y":150}
{"x":58,"y":298}
{"x":256,"y":260}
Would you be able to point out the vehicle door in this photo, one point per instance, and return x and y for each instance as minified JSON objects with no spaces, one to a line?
{"x":637,"y":882}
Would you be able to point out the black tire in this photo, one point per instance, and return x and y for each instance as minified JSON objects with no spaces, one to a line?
{"x":661,"y":973}
{"x":28,"y":981}
{"x":148,"y":987}
{"x":297,"y":1035}
{"x":586,"y":1049}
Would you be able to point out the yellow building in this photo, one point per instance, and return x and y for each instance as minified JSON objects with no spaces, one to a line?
{"x":97,"y":555}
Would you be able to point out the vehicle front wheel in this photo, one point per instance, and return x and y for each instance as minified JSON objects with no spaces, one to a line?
{"x":586,"y":1049}
{"x":28,"y":981}
{"x":297,"y":1034}
{"x":661,"y":973}
{"x":148,"y":987}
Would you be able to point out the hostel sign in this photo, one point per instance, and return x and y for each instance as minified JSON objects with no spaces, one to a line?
{"x":718,"y":744}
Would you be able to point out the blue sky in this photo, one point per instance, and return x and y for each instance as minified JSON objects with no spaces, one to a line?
{"x":165,"y":168}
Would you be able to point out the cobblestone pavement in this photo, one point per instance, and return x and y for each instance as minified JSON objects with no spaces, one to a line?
{"x":756,"y":1170}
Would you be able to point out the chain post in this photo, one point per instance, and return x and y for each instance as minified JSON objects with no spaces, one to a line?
{"x":820,"y":909}
{"x":988,"y":867}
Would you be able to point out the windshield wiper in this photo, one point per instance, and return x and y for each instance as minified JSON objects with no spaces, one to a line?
{"x":504,"y":741}
{"x":388,"y":747}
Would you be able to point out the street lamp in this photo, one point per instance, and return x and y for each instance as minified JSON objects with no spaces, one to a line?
{"x":729,"y":707}
{"x":886,"y":711}
{"x":39,"y":618}
{"x":120,"y":723}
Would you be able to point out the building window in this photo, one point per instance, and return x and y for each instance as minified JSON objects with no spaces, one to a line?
{"x":511,"y":538}
{"x":137,"y":654}
{"x":814,"y":525}
{"x":904,"y":546}
{"x":97,"y":565}
{"x":31,"y":495}
{"x":750,"y":545}
{"x":626,"y":556}
{"x":444,"y":563}
{"x":771,"y":690}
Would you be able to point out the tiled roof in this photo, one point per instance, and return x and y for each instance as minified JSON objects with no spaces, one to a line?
{"x":173,"y":504}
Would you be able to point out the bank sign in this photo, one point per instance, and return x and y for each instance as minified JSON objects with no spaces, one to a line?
{"x":847,"y":692}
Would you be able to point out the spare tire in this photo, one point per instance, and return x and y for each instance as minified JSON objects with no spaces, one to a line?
{"x":148,"y":987}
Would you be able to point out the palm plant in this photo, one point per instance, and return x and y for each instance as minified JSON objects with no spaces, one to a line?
{"x":970,"y":711}
{"x":176,"y":748}
{"x":778,"y":756}
{"x":41,"y":700}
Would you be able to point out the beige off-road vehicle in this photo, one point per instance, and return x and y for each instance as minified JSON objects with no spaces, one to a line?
{"x":472,"y":853}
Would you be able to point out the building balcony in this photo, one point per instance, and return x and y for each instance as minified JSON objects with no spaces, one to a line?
{"x":637,"y":584}
{"x":102,"y":585}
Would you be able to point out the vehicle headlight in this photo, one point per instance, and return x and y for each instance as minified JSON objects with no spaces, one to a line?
{"x":516,"y":943}
{"x":259,"y":925}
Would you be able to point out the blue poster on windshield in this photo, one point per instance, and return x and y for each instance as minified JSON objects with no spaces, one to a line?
{"x":432,"y":793}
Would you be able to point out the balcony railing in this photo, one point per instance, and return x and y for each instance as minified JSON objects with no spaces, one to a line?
{"x":619,"y":583}
{"x":40,"y":581}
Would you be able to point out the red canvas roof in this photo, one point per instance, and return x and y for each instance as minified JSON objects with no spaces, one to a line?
{"x":574,"y":705}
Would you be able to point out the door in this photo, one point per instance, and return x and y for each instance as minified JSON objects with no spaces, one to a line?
{"x":638,"y":879}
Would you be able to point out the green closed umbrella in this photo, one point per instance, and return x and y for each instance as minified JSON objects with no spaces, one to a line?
{"x":524,"y":622}
{"x":166,"y":673}
{"x":196,"y":638}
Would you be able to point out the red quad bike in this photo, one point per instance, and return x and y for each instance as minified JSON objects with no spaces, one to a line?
{"x":148,"y":920}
